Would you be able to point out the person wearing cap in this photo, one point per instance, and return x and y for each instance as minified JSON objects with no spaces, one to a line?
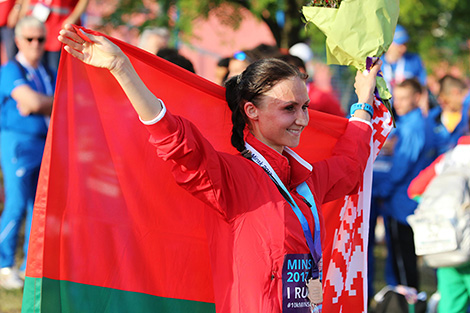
{"x":321,"y":94}
{"x":399,"y":64}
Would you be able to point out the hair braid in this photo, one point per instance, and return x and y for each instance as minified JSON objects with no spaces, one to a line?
{"x":234,"y":100}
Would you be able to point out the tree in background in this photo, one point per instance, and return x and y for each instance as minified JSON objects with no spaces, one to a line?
{"x":439,"y":29}
{"x":283,"y":17}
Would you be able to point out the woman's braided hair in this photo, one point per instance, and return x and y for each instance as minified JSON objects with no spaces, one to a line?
{"x":257,"y":79}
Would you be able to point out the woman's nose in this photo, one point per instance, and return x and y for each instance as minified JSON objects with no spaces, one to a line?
{"x":302,"y":118}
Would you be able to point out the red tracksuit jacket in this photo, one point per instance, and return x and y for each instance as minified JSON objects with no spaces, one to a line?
{"x":250,"y":227}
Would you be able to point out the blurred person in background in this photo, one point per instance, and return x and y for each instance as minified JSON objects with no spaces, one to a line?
{"x":172,"y":55}
{"x":154,"y":39}
{"x":9,"y":14}
{"x":239,"y":62}
{"x":320,"y":100}
{"x":399,"y":64}
{"x":55,"y":14}
{"x":303,"y":51}
{"x":221,"y":71}
{"x":241,"y":59}
{"x":414,"y":148}
{"x":26,"y":90}
{"x":452,"y":112}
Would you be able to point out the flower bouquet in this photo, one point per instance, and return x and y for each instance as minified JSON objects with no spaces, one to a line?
{"x":357,"y":32}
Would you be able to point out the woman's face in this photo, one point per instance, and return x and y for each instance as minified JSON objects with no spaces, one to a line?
{"x":281,"y":115}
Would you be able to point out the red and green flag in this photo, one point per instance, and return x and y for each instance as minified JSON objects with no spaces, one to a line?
{"x":112,"y":231}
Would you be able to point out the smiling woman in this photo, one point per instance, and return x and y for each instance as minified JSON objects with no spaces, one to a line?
{"x":271,"y":97}
{"x":282,"y":114}
{"x":264,"y":214}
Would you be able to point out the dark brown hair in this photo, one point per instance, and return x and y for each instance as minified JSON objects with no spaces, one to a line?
{"x":448,"y":82}
{"x":257,"y":79}
{"x":412,"y":83}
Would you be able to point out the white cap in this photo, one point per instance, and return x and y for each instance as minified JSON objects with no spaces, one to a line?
{"x":302,"y":50}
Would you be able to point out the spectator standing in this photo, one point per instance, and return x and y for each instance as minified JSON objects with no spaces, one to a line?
{"x":55,"y":14}
{"x":452,"y":112}
{"x":27,"y":87}
{"x":172,"y":55}
{"x":414,"y":149}
{"x":9,"y":14}
{"x":153,"y":39}
{"x":399,"y":64}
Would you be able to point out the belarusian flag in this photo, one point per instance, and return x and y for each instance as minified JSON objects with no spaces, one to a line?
{"x":112,"y":232}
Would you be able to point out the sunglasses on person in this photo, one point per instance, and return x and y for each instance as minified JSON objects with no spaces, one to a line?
{"x":39,"y":39}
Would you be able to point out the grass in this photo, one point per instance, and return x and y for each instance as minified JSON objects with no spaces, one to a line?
{"x":427,"y":275}
{"x":10,"y":300}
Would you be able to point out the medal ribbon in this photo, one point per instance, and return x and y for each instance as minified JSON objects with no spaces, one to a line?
{"x":304,"y":191}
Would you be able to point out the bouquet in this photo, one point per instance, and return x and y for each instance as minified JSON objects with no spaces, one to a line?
{"x":357,"y":32}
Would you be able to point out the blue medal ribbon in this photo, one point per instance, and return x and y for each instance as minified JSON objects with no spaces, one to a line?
{"x":304,"y":191}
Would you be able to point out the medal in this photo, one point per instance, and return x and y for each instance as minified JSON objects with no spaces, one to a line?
{"x":315,"y":292}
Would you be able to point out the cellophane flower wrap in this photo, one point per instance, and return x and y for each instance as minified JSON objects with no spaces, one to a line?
{"x":355,"y":30}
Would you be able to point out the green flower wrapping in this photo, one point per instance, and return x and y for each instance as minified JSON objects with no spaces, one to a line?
{"x":357,"y":29}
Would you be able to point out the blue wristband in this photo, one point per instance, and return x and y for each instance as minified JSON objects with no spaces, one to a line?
{"x":362,"y":106}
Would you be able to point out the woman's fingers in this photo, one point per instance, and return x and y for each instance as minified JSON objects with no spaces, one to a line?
{"x":365,"y":83}
{"x":71,"y":43}
{"x":71,"y":33}
{"x":74,"y":53}
{"x":376,"y":68}
{"x":71,"y":39}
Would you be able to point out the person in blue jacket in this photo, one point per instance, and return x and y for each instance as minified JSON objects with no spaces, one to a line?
{"x":452,"y":112}
{"x":26,"y":95}
{"x":415,"y":147}
{"x":399,"y":64}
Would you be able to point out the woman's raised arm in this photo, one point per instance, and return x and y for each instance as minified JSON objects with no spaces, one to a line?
{"x":101,"y":52}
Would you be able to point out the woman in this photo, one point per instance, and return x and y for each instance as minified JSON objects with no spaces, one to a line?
{"x":263,"y":224}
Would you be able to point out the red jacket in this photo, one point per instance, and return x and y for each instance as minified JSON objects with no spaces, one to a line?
{"x":60,"y":10}
{"x":250,"y":227}
{"x":5,"y":8}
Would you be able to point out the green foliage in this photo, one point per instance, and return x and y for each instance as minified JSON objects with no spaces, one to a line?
{"x":325,"y":3}
{"x":178,"y":15}
{"x":439,"y":29}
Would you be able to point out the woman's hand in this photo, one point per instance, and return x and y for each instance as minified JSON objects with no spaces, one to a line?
{"x":365,"y":84}
{"x":100,"y":52}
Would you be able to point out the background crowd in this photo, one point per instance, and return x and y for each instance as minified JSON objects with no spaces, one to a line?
{"x":431,"y":117}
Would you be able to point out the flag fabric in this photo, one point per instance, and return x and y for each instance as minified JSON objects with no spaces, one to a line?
{"x":345,"y":285}
{"x":112,"y":231}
